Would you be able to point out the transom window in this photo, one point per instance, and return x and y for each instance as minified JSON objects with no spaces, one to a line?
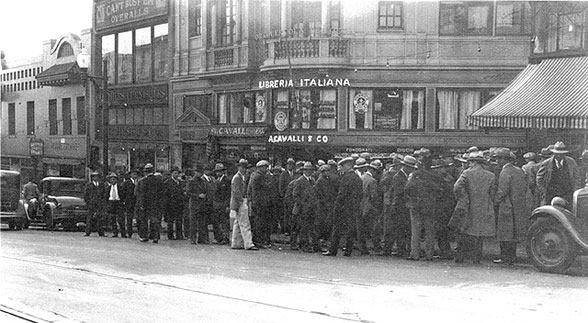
{"x":390,"y":15}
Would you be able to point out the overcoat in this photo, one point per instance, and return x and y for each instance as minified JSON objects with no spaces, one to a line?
{"x":257,"y":189}
{"x":369,"y":201}
{"x":544,"y":176}
{"x":326,"y":192}
{"x":304,"y":197}
{"x":151,"y":196}
{"x":512,"y":220}
{"x":348,"y":201}
{"x":95,"y":196}
{"x":476,"y":188}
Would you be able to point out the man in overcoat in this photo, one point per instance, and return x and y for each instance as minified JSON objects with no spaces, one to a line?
{"x":129,"y":199}
{"x":347,"y":206}
{"x":175,"y":204}
{"x":326,"y":193}
{"x":369,"y":203}
{"x":150,"y":203}
{"x":257,"y":191}
{"x":197,"y":190}
{"x":95,"y":198}
{"x":285,"y":178}
{"x":558,"y":176}
{"x":530,"y":168}
{"x":114,"y":206}
{"x":304,"y":209}
{"x":511,"y":200}
{"x":222,"y":198}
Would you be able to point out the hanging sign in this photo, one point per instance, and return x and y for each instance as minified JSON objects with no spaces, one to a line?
{"x":281,"y":120}
{"x":360,"y":103}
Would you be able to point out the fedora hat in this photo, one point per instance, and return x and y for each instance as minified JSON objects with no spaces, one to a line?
{"x":355,"y":156}
{"x":346,"y":160}
{"x":376,"y":164}
{"x":320,"y":162}
{"x":360,"y":163}
{"x":461,"y":158}
{"x":94,"y":173}
{"x":308,"y":166}
{"x":219,"y":167}
{"x":111,"y":175}
{"x":331,"y":162}
{"x":262,"y":163}
{"x":290,"y":161}
{"x":477,"y":156}
{"x":148,"y":166}
{"x":530,"y":155}
{"x":242,"y":162}
{"x":324,"y":168}
{"x":559,"y":148}
{"x":502,"y":153}
{"x":472,"y":149}
{"x":409,"y":161}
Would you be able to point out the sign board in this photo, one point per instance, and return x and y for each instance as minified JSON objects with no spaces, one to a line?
{"x":36,"y":147}
{"x":311,"y":82}
{"x":237,"y":131}
{"x":112,"y":13}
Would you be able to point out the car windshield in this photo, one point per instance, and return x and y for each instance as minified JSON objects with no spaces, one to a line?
{"x":65,"y":188}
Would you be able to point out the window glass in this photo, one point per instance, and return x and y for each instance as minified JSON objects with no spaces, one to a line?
{"x":195,"y":21}
{"x":202,"y":103}
{"x":222,"y":108}
{"x":11,"y":119}
{"x":129,"y":117}
{"x":108,"y":54}
{"x":120,"y":116}
{"x":390,"y":15}
{"x":112,"y":116}
{"x":143,"y":55}
{"x":235,"y":107}
{"x":571,"y":31}
{"x":157,"y":116}
{"x":227,"y":21}
{"x":125,"y":57}
{"x":387,"y":109}
{"x":30,"y":118}
{"x":455,"y":106}
{"x":148,"y":117}
{"x":465,"y":18}
{"x":138,"y":116}
{"x":161,"y":51}
{"x":326,"y":113}
{"x":306,"y":18}
{"x":81,"y":114}
{"x":53,"y":117}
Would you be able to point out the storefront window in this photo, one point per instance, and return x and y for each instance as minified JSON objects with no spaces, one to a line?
{"x":308,"y":108}
{"x":161,"y":51}
{"x":143,"y":55}
{"x":125,"y":57}
{"x":242,"y":107}
{"x":387,"y":109}
{"x":108,"y":55}
{"x":455,"y":106}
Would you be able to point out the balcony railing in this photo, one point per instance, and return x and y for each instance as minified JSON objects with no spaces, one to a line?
{"x":296,"y":48}
{"x":338,"y":47}
{"x":223,"y":57}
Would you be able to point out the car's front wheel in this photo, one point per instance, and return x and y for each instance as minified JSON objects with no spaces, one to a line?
{"x":549,"y":246}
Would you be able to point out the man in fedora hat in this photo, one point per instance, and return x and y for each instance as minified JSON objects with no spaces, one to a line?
{"x":326,"y":192}
{"x":176,"y":202}
{"x":127,"y":191}
{"x":304,"y":210}
{"x":197,"y":190}
{"x":347,"y":206}
{"x":115,"y":206}
{"x":257,"y":191}
{"x":150,"y":190}
{"x":95,"y":197}
{"x":397,"y":218}
{"x":222,"y":198}
{"x":241,"y":227}
{"x":558,"y":176}
{"x":369,"y":207}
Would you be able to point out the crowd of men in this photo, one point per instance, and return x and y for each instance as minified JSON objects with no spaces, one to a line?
{"x":410,"y":206}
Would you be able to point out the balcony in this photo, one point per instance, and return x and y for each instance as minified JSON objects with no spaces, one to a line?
{"x":309,"y":52}
{"x":224,"y":59}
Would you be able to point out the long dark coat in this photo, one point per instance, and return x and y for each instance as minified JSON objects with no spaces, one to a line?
{"x":151,"y":196}
{"x":475,"y":189}
{"x":95,"y":197}
{"x":326,"y":193}
{"x":175,"y":198}
{"x":512,"y":221}
{"x":348,"y":201}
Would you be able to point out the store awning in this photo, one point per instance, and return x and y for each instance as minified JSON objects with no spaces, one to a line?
{"x":551,"y":94}
{"x":59,"y":75}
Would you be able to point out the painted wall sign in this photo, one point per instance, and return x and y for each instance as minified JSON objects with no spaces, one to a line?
{"x":275,"y":84}
{"x":233,"y":131}
{"x":301,"y":139}
{"x":36,"y":147}
{"x":139,"y":95}
{"x":110,"y":13}
{"x":281,"y":120}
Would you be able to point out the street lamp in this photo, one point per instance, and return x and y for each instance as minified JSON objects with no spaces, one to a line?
{"x":83,"y":60}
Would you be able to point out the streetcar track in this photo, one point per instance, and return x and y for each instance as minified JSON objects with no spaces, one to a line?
{"x":29,"y":317}
{"x":196,"y":291}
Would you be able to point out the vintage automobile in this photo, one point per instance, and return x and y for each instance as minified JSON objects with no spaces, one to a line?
{"x":61,"y":204}
{"x":557,"y":235}
{"x":10,"y":212}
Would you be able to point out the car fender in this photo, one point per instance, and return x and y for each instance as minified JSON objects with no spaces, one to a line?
{"x":20,"y":210}
{"x":565,"y":218}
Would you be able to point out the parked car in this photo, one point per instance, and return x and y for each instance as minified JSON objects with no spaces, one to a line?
{"x":61,"y":204}
{"x":9,"y":199}
{"x":558,"y":235}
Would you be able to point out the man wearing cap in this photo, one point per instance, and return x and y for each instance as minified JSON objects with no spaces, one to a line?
{"x":197,"y":192}
{"x":511,"y":200}
{"x":95,"y":195}
{"x":347,"y":206}
{"x":176,"y":202}
{"x":150,"y":190}
{"x":530,"y":169}
{"x":369,"y":203}
{"x":241,"y":230}
{"x":257,"y":191}
{"x":115,"y":206}
{"x":304,"y":210}
{"x":326,"y":193}
{"x":127,"y":190}
{"x":397,"y":219}
{"x":425,"y":191}
{"x":222,"y":199}
{"x":558,"y":176}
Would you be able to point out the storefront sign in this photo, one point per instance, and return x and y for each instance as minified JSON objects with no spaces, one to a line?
{"x":137,"y":95}
{"x":145,"y":133}
{"x":275,"y":84}
{"x":233,"y":131}
{"x":36,"y":147}
{"x":298,"y":139}
{"x":281,"y":120}
{"x":110,"y":13}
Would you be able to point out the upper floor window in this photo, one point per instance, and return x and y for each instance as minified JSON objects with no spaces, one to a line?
{"x":571,"y":30}
{"x":11,"y":119}
{"x":306,"y":18}
{"x":512,"y":18}
{"x":195,"y":22}
{"x":227,"y":22}
{"x":334,"y":17}
{"x":390,"y":15}
{"x":465,"y":18}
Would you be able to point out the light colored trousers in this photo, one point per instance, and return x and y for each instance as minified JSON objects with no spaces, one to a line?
{"x":241,"y":237}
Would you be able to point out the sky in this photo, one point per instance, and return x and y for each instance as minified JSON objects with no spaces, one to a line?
{"x":25,"y":24}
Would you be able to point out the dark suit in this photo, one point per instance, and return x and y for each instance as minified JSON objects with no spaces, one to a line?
{"x":222,"y":198}
{"x":176,"y":202}
{"x":257,"y":190}
{"x":286,"y":194}
{"x":398,"y":219}
{"x":95,"y":198}
{"x":304,"y":213}
{"x":127,"y":194}
{"x":326,"y":193}
{"x":115,"y":210}
{"x":196,"y":187}
{"x":150,"y":203}
{"x":347,"y":206}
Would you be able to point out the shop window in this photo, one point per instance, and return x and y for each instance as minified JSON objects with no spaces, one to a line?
{"x":125,"y":57}
{"x":512,"y":18}
{"x":11,"y":119}
{"x":53,"y":117}
{"x":108,"y":55}
{"x":66,"y":115}
{"x":465,"y":18}
{"x":242,"y":107}
{"x":161,"y":51}
{"x":308,"y":108}
{"x":30,"y":118}
{"x":455,"y":106}
{"x":390,"y":15}
{"x":202,"y":103}
{"x":81,"y":114}
{"x":143,"y":55}
{"x":387,"y":109}
{"x":195,"y":20}
{"x":306,"y":18}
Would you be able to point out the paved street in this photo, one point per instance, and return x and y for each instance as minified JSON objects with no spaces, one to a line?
{"x":71,"y":277}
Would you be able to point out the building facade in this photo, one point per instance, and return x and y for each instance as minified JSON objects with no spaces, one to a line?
{"x":44,"y":123}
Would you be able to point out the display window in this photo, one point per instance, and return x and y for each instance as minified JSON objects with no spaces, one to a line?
{"x":306,"y":108}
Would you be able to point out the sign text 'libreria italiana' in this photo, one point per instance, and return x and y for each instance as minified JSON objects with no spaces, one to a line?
{"x":275,"y":84}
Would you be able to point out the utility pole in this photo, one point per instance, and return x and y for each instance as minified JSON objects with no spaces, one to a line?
{"x":105,"y":116}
